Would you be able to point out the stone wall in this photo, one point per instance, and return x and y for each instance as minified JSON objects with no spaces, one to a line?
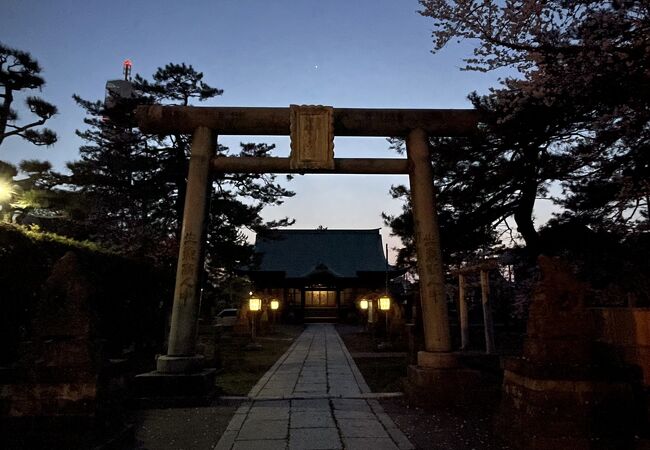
{"x":626,"y":331}
{"x":570,"y":389}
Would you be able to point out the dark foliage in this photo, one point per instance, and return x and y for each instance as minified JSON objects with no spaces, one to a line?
{"x":616,"y":267}
{"x":576,"y":115}
{"x":134,"y":184}
{"x":130,"y":302}
{"x":20,"y":72}
{"x":579,"y":107}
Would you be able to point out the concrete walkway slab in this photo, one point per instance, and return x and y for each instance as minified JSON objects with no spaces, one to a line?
{"x":314,"y":397}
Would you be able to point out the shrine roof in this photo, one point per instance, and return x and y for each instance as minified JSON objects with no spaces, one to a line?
{"x":344,"y":253}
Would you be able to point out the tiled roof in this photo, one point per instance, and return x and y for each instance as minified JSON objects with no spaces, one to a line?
{"x":300,"y":253}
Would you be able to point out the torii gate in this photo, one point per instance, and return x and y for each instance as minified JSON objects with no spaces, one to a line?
{"x":312,"y":130}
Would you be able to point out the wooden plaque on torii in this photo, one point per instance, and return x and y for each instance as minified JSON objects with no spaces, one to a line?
{"x":312,"y":137}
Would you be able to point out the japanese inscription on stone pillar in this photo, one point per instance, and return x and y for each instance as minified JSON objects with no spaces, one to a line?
{"x":189,"y":257}
{"x":312,"y":137}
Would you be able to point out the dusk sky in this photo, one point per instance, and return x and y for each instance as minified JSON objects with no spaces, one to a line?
{"x":361,"y":53}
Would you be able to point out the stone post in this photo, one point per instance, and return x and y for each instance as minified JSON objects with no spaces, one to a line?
{"x":487,"y":313}
{"x":181,"y":353}
{"x":429,"y":255}
{"x":462,"y":312}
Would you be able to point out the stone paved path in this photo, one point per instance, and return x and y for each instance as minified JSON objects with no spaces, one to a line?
{"x":313,"y":397}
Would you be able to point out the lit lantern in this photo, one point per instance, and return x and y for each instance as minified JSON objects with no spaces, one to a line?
{"x":254,"y":304}
{"x":384,"y":303}
{"x":275,"y":304}
{"x":363,"y":304}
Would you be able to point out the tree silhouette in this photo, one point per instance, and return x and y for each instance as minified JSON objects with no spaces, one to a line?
{"x":20,"y":72}
{"x":576,"y":113}
{"x":135,"y":183}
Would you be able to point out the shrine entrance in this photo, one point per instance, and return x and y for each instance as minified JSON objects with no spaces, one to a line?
{"x":312,"y":130}
{"x":321,"y":304}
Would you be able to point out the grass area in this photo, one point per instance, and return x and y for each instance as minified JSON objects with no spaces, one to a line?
{"x":242,"y":368}
{"x":383,"y":374}
{"x":356,"y":340}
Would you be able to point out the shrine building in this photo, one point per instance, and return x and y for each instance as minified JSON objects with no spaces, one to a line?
{"x":320,"y":275}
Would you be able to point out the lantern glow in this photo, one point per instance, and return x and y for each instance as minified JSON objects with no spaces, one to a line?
{"x":254,"y":304}
{"x":384,"y":303}
{"x":275,"y":304}
{"x":363,"y":304}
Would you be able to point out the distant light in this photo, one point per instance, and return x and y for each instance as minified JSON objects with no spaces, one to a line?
{"x":126,"y":68}
{"x":254,"y":304}
{"x":363,"y":304}
{"x":6,"y":191}
{"x":384,"y":303}
{"x":275,"y":304}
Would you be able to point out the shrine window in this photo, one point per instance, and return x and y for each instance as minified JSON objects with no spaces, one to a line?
{"x":320,"y":299}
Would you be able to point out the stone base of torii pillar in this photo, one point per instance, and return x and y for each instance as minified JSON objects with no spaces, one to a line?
{"x":176,"y":389}
{"x":441,"y":379}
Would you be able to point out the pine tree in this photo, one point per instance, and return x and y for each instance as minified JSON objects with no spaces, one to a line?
{"x":20,"y":72}
{"x":136,"y":183}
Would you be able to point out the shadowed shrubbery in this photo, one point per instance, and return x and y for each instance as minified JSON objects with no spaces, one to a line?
{"x":129,"y":302}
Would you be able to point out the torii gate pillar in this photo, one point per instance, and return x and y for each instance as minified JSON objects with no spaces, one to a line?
{"x":181,"y":352}
{"x":427,"y":244}
{"x":181,"y":372}
{"x":438,"y":377}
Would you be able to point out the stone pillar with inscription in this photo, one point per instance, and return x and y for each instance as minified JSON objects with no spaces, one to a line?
{"x":438,"y":378}
{"x":180,"y":374}
{"x":427,"y":243}
{"x":181,"y":352}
